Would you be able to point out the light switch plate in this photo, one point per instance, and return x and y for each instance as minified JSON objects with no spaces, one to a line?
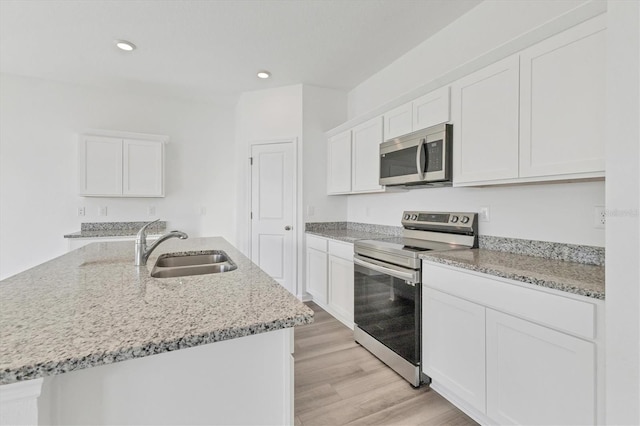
{"x":483,"y":215}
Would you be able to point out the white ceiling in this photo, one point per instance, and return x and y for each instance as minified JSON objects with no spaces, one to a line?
{"x":203,"y":49}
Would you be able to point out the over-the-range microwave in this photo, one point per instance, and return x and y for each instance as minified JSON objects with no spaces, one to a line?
{"x":421,"y":158}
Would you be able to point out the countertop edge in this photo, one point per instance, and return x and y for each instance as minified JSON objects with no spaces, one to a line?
{"x":550,"y":284}
{"x":29,"y":372}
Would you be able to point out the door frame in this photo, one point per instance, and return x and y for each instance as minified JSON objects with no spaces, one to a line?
{"x":297,"y":199}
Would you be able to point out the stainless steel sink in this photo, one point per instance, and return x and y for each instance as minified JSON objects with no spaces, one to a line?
{"x":170,"y":265}
{"x":190,"y":260}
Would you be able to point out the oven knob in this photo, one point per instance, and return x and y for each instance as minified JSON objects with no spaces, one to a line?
{"x":407,"y":216}
{"x":414,"y":217}
{"x":454,"y":219}
{"x":464,"y":219}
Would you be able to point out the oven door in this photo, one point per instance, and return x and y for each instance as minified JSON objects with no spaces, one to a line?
{"x":387,"y":305}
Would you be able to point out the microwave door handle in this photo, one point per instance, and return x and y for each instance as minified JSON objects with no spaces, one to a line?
{"x":419,"y":158}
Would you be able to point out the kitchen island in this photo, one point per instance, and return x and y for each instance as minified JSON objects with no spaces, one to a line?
{"x":108,"y":344}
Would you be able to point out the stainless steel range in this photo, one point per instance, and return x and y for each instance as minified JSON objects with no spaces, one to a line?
{"x":388,"y":290}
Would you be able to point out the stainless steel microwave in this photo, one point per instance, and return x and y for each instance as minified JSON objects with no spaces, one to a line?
{"x":419,"y":158}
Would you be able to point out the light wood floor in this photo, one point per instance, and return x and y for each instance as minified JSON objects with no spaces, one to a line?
{"x":337,"y":382}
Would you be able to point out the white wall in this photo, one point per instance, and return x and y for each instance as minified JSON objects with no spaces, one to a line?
{"x":262,"y":116}
{"x":483,"y":28}
{"x":298,"y":112}
{"x":322,"y":109}
{"x":39,"y":121}
{"x":623,"y":219}
{"x":548,"y":212}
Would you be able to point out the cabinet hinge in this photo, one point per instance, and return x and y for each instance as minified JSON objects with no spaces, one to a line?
{"x":251,"y":215}
{"x":251,"y":161}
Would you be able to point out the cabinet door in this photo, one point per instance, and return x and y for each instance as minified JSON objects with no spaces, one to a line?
{"x":317,"y":274}
{"x":341,"y":286}
{"x":538,"y":376}
{"x":485,"y":118}
{"x":431,"y":109}
{"x":398,"y":122}
{"x":563,"y":102}
{"x":99,"y":165}
{"x":366,"y":156}
{"x":143,"y":165}
{"x":339,"y":164}
{"x":453,"y":345}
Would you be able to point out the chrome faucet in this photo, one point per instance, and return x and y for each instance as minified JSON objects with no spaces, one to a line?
{"x":142,"y":252}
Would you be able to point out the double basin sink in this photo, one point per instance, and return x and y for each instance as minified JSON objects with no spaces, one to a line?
{"x":171,"y":265}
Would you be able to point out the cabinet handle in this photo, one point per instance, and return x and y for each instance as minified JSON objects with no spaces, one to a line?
{"x":287,"y":228}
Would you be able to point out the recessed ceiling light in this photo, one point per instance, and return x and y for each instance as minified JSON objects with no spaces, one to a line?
{"x":264,"y":74}
{"x":125,"y":45}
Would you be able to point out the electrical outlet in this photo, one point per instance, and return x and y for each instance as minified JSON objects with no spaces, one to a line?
{"x":599,"y":217}
{"x":81,"y":211}
{"x":311,"y":211}
{"x":484,"y":214}
{"x":151,"y":210}
{"x":103,"y":210}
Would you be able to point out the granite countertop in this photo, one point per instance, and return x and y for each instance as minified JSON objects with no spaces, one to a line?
{"x":110,"y":233}
{"x":116,"y":229}
{"x":93,"y":307}
{"x":571,"y":277}
{"x":349,"y":235}
{"x":352,"y":231}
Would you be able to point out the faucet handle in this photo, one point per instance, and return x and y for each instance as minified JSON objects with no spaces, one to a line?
{"x":141,"y":237}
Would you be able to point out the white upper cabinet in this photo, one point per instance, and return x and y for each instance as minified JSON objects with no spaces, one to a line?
{"x":398,"y":121}
{"x":112,"y":165}
{"x":142,"y":168}
{"x":485,"y":117}
{"x":100,"y":165}
{"x":366,"y":140}
{"x":535,"y":116}
{"x":423,"y":112}
{"x":339,"y":164}
{"x":562,"y":102}
{"x":431,"y":109}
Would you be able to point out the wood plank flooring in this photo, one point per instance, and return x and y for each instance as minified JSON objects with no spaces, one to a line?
{"x":337,"y":382}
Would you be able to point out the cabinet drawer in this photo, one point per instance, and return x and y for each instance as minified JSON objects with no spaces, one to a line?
{"x":343,"y":250}
{"x":317,"y":243}
{"x":556,"y":311}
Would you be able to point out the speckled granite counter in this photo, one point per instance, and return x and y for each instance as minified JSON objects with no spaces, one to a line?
{"x":352,"y":231}
{"x":572,"y":277}
{"x":92,"y":307}
{"x":116,"y":229}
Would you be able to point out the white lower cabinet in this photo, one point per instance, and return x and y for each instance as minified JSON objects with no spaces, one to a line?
{"x":538,"y":376}
{"x":329,"y":276}
{"x":453,"y":345}
{"x":317,"y":274}
{"x":341,"y":287}
{"x":509,"y":353}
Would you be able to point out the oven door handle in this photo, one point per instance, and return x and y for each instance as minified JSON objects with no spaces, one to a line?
{"x":419,"y":158}
{"x":413,"y":276}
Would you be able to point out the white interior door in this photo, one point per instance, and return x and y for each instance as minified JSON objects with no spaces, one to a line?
{"x":273,"y":174}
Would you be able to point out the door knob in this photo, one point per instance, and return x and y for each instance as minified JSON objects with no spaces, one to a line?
{"x":287,"y":228}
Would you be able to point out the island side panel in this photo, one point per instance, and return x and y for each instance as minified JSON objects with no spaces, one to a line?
{"x":247,"y":381}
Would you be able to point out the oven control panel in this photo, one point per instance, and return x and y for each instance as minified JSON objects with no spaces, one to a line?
{"x":420,"y":219}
